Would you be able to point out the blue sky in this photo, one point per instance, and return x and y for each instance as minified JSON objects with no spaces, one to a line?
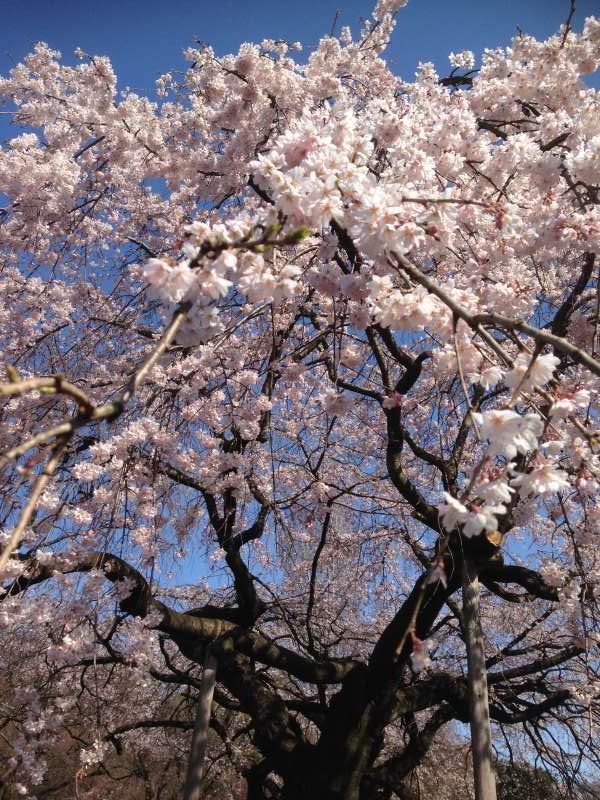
{"x":144,"y":39}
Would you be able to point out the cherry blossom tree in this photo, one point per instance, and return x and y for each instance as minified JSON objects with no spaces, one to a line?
{"x":291,"y":352}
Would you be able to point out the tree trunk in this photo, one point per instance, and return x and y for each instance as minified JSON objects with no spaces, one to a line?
{"x":481,"y":734}
{"x":193,"y":782}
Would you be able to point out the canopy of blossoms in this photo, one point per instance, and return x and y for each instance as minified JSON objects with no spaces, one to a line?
{"x":281,"y":346}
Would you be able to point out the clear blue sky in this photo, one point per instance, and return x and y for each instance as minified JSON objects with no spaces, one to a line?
{"x":145,"y":37}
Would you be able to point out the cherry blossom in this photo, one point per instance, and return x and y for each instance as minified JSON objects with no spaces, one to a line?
{"x":420,"y":658}
{"x":544,"y":479}
{"x":292,"y":348}
{"x":508,"y":432}
{"x":529,"y":373}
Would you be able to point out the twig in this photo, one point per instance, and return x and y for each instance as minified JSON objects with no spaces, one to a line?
{"x":37,"y":491}
{"x":476,"y":321}
{"x":64,"y":431}
{"x":56,"y":383}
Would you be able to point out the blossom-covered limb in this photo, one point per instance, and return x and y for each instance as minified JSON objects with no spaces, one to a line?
{"x":53,"y":383}
{"x":181,"y":625}
{"x":248,"y":600}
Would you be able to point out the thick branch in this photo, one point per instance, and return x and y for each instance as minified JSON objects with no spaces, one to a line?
{"x":527,"y":578}
{"x":191,"y":629}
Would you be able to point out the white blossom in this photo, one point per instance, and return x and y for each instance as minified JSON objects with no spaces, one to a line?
{"x":508,"y":432}
{"x":495,"y":491}
{"x":463,"y":60}
{"x":490,"y":377}
{"x":542,"y":370}
{"x":545,"y":478}
{"x":472,"y":519}
{"x":419,"y":657}
{"x":337,"y":403}
{"x":452,"y":512}
{"x":482,"y":518}
{"x":568,"y":404}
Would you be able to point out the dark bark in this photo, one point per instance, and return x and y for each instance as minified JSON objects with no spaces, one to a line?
{"x":338,"y":763}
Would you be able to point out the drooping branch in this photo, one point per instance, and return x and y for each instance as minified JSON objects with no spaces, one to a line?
{"x":477,"y":321}
{"x":418,"y":612}
{"x":540,"y":665}
{"x":532,"y":711}
{"x":424,"y":511}
{"x":248,"y":600}
{"x":187,"y":627}
{"x":54,"y":384}
{"x":87,"y":413}
{"x":562,"y":317}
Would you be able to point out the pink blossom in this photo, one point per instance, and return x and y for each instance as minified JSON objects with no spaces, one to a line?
{"x":508,"y":432}
{"x":545,"y":478}
{"x":419,"y":657}
{"x":540,"y":370}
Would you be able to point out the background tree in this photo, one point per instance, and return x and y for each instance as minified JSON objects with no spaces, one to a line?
{"x":285,"y":347}
{"x":516,"y":780}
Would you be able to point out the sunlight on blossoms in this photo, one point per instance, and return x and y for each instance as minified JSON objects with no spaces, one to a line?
{"x":299,"y":421}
